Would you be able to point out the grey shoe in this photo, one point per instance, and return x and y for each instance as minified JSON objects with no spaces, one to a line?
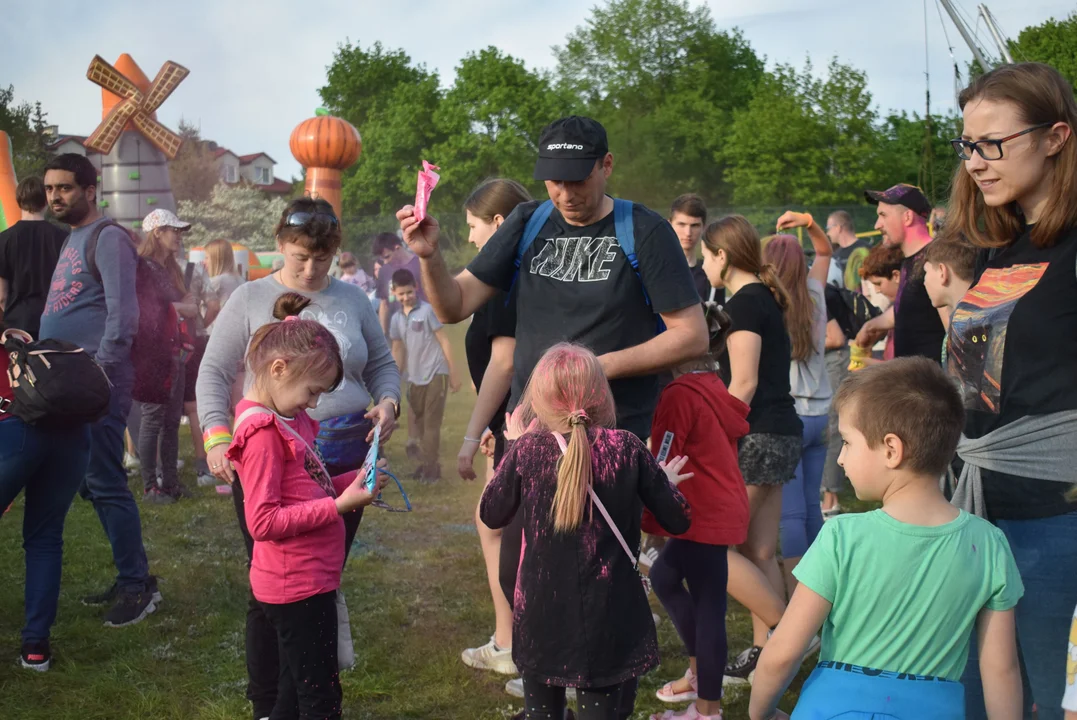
{"x":157,"y":496}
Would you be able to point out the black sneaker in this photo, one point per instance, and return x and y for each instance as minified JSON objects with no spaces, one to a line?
{"x":36,"y":655}
{"x":740,"y":670}
{"x":131,"y":607}
{"x":109,"y":596}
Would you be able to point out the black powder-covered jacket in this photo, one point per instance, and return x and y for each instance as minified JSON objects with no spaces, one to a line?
{"x":580,"y":614}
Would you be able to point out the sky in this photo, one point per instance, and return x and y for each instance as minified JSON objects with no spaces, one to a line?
{"x":256,"y":66}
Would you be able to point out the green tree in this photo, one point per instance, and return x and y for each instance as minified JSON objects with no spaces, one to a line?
{"x":193,"y":171}
{"x":664,"y":81}
{"x":490,"y":122}
{"x":775,"y":151}
{"x":238,"y":213}
{"x":900,"y":156}
{"x":1054,"y":43}
{"x":392,"y":104}
{"x":25,"y":124}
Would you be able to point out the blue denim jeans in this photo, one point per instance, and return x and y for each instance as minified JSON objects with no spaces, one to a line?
{"x":49,"y":465}
{"x":801,"y":517}
{"x":105,"y":485}
{"x":1046,"y":556}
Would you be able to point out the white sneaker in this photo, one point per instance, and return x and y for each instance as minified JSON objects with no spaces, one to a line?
{"x":515,"y":687}
{"x":206,"y":480}
{"x":647,"y":558}
{"x":130,"y":462}
{"x":490,"y":657}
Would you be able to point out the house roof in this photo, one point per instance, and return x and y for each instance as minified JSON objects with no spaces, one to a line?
{"x":220,"y":152}
{"x":61,"y":139}
{"x":248,"y":159}
{"x":278,"y":187}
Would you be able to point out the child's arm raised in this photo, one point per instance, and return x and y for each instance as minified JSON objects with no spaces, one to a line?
{"x":264,"y":455}
{"x":446,"y":350}
{"x":784,"y":651}
{"x":999,"y":669}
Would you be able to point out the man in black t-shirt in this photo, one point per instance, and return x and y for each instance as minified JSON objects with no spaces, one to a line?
{"x":29,"y":250}
{"x":575,"y":282}
{"x":688,"y":216}
{"x":850,"y":250}
{"x":919,"y":327}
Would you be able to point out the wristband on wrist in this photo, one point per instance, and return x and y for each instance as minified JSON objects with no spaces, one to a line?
{"x":811,"y":221}
{"x":214,"y":436}
{"x":473,"y":440}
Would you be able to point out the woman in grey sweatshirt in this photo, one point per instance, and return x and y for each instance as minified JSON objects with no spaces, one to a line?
{"x":308,"y":235}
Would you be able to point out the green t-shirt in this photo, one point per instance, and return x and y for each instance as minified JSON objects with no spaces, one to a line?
{"x":905,"y":597}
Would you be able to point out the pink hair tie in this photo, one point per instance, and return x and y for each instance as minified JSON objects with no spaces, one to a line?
{"x":291,"y":318}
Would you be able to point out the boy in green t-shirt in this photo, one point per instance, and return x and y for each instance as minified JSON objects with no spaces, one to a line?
{"x":898,"y":591}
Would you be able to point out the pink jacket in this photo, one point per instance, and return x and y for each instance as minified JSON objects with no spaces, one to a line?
{"x":298,"y":533}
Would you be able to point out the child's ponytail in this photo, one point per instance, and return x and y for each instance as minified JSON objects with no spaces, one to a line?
{"x":769,"y":275}
{"x":306,"y":343}
{"x":574,"y":476}
{"x":568,"y":389}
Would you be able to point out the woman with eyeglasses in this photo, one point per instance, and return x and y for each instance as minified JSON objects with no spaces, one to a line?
{"x":1013,"y":348}
{"x":308,"y":237}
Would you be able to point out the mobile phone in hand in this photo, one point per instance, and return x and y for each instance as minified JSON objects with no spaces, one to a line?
{"x":371,"y":461}
{"x":667,"y":443}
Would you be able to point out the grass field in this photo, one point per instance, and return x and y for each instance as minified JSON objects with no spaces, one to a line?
{"x":415,"y":585}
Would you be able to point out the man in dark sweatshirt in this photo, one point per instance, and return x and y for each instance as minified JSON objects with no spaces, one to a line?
{"x":92,"y":304}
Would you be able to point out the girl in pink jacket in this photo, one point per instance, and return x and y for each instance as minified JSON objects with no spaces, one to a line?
{"x":293,"y":507}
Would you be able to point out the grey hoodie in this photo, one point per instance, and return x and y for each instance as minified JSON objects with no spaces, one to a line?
{"x":369,"y":369}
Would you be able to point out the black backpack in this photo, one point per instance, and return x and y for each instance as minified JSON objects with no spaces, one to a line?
{"x":56,"y":384}
{"x":851,"y":309}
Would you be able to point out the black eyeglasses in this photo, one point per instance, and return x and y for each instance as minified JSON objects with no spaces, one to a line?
{"x":989,"y":149}
{"x":298,"y":219}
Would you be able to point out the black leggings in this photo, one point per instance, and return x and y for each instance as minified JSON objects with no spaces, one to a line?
{"x":547,"y":702}
{"x":263,"y":659}
{"x":697,"y":612}
{"x":309,"y":687}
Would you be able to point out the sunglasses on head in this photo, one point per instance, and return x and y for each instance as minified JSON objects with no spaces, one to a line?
{"x":298,"y":219}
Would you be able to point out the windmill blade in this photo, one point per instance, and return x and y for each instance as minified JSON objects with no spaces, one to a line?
{"x":108,"y":77}
{"x":170,"y":75}
{"x":164,"y":139}
{"x":106,"y":134}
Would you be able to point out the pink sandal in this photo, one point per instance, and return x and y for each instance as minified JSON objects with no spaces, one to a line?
{"x":690,"y":714}
{"x":667,"y":694}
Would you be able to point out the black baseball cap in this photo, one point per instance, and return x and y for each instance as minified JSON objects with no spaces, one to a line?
{"x":902,"y":194}
{"x":569,"y":147}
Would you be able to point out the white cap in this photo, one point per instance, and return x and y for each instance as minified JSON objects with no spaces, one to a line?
{"x":163,"y":218}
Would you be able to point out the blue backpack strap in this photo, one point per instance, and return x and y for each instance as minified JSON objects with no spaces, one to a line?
{"x":625,"y":228}
{"x":531,"y":231}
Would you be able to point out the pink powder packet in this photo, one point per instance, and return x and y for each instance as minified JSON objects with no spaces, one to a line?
{"x":428,"y":180}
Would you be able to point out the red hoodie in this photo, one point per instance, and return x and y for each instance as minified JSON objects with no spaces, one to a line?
{"x":706,"y":422}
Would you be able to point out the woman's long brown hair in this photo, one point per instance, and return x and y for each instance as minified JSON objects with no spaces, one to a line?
{"x":787,"y":256}
{"x":739,"y":239}
{"x":568,"y":389}
{"x":1041,"y":95}
{"x":153,"y":249}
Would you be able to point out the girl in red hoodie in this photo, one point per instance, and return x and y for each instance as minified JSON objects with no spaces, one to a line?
{"x":293,"y":507}
{"x":698,"y":418}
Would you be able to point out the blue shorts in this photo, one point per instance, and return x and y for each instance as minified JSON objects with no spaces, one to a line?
{"x":851,"y":692}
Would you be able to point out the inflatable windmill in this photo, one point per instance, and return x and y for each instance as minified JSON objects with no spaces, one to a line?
{"x":135,"y":148}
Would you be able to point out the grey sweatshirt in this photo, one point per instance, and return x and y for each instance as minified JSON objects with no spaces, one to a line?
{"x":369,"y":369}
{"x":100,"y":317}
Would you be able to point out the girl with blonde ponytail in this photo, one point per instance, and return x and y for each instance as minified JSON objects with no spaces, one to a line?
{"x":757,"y":372}
{"x":580,"y":616}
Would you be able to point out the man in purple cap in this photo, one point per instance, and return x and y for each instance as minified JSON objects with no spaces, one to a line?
{"x":919,"y":328}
